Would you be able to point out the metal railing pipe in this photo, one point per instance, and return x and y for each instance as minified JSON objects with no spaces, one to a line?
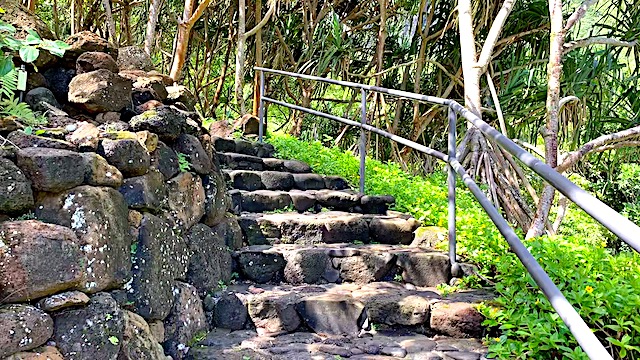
{"x":399,"y":93}
{"x":261,"y":111}
{"x":611,"y":219}
{"x":582,"y":333}
{"x":363,"y":138}
{"x":400,"y":140}
{"x":451,"y":184}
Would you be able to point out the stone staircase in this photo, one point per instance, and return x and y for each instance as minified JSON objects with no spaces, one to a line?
{"x":326,"y":273}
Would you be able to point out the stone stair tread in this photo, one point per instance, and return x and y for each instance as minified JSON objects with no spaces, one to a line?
{"x":242,"y":146}
{"x":327,"y":227}
{"x":254,"y":179}
{"x":240,"y":161}
{"x":243,"y":344}
{"x":309,"y":200}
{"x":350,"y":309}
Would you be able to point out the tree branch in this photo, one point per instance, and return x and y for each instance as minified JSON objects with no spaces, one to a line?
{"x":596,"y":40}
{"x":264,"y":21}
{"x":600,"y":144}
{"x":579,"y":13}
{"x":494,"y":33}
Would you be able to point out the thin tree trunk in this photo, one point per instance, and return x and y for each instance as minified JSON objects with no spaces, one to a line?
{"x":31,"y":5}
{"x":189,"y":18}
{"x":240,"y":56}
{"x":550,"y":132}
{"x":225,"y":66}
{"x":256,"y":82}
{"x":470,"y":70}
{"x":154,"y":12}
{"x":111,"y":25}
{"x":56,"y":20}
{"x":382,"y":38}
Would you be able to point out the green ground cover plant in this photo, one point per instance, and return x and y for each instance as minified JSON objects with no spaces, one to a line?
{"x":604,"y":287}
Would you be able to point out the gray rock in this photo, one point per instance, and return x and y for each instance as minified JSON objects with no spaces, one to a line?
{"x":392,"y":230}
{"x":15,"y":189}
{"x":210,"y":262}
{"x":305,"y":266}
{"x":160,"y":257}
{"x":63,"y":300}
{"x":276,"y":180}
{"x":98,"y":216}
{"x":336,"y":314}
{"x":261,"y":267}
{"x":138,"y":343}
{"x":99,"y":172}
{"x":166,"y":121}
{"x":308,"y":181}
{"x":92,"y":332}
{"x":230,"y":312}
{"x":23,"y":140}
{"x":424,"y":269}
{"x":134,"y":58}
{"x":128,"y":155}
{"x":217,"y":199}
{"x":246,"y":180}
{"x":186,"y":199}
{"x":265,"y":200}
{"x":231,"y":231}
{"x":186,"y":319}
{"x":38,"y":260}
{"x":191,"y":147}
{"x":295,"y":166}
{"x":23,"y":328}
{"x":95,"y":60}
{"x":335,"y":183}
{"x":365,"y":268}
{"x":146,"y":192}
{"x":165,"y":160}
{"x":274,"y":314}
{"x":100,"y":91}
{"x":51,"y":170}
{"x":302,"y":201}
{"x":39,"y":98}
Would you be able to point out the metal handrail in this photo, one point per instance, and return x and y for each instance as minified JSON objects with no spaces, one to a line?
{"x":612,"y":220}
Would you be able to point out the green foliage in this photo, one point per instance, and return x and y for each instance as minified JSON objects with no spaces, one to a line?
{"x":221,"y":285}
{"x":603,"y":287}
{"x":183,"y":162}
{"x":14,"y":107}
{"x":114,"y":340}
{"x":199,"y":336}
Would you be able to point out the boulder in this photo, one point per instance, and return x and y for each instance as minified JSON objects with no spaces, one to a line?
{"x":63,"y":300}
{"x":338,"y":200}
{"x":308,"y":181}
{"x":59,"y":80}
{"x":166,"y":121}
{"x":15,"y":189}
{"x":153,"y":84}
{"x":99,"y":172}
{"x":138,"y":343}
{"x":100,"y":91}
{"x":392,"y":230}
{"x":86,"y":41}
{"x":265,"y":200}
{"x":210,"y":263}
{"x":195,"y":154}
{"x":297,"y":167}
{"x":336,"y":314}
{"x":335,"y":183}
{"x":108,"y":118}
{"x":186,"y":199}
{"x":230,"y":312}
{"x":231,"y":231}
{"x":39,"y":98}
{"x":365,"y":268}
{"x":160,"y":256}
{"x":40,"y":353}
{"x":86,"y":137}
{"x":98,"y":215}
{"x":274,"y":313}
{"x":246,"y":180}
{"x":94,"y":60}
{"x":217,"y":199}
{"x":38,"y":260}
{"x":305,"y":266}
{"x":146,"y":192}
{"x":147,"y":106}
{"x":36,"y":80}
{"x":165,"y":160}
{"x":134,"y":58}
{"x":302,"y":201}
{"x":92,"y":332}
{"x":260,"y":266}
{"x":399,"y":307}
{"x":424,"y":269}
{"x":23,"y":140}
{"x":22,"y":328}
{"x":128,"y":155}
{"x":277,"y":180}
{"x":457,"y":319}
{"x":180,"y":94}
{"x":186,"y":319}
{"x":377,"y":204}
{"x":51,"y":170}
{"x":23,"y":21}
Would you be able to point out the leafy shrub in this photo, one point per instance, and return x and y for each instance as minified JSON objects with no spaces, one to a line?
{"x":604,"y":288}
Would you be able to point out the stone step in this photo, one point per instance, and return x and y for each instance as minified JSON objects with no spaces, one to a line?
{"x":243,"y":147}
{"x":309,"y":200}
{"x":235,"y":161}
{"x":342,"y":263}
{"x":329,"y":227}
{"x":346,"y":309}
{"x":382,"y":345}
{"x":251,"y":180}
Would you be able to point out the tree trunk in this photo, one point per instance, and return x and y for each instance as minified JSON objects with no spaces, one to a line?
{"x":382,"y":38}
{"x":469,"y":57}
{"x":256,"y":82}
{"x":189,"y":18}
{"x":550,"y":132}
{"x":31,"y":5}
{"x":111,"y":25}
{"x":154,"y":12}
{"x":56,"y":20}
{"x":240,"y":56}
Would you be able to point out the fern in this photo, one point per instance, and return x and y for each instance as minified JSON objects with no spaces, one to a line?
{"x":22,"y":111}
{"x":8,"y":84}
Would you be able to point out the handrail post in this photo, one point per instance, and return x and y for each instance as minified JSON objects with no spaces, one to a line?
{"x":261,"y":108}
{"x":363,"y":137}
{"x":451,"y":182}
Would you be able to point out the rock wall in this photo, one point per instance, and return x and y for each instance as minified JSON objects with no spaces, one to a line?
{"x":113,"y":217}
